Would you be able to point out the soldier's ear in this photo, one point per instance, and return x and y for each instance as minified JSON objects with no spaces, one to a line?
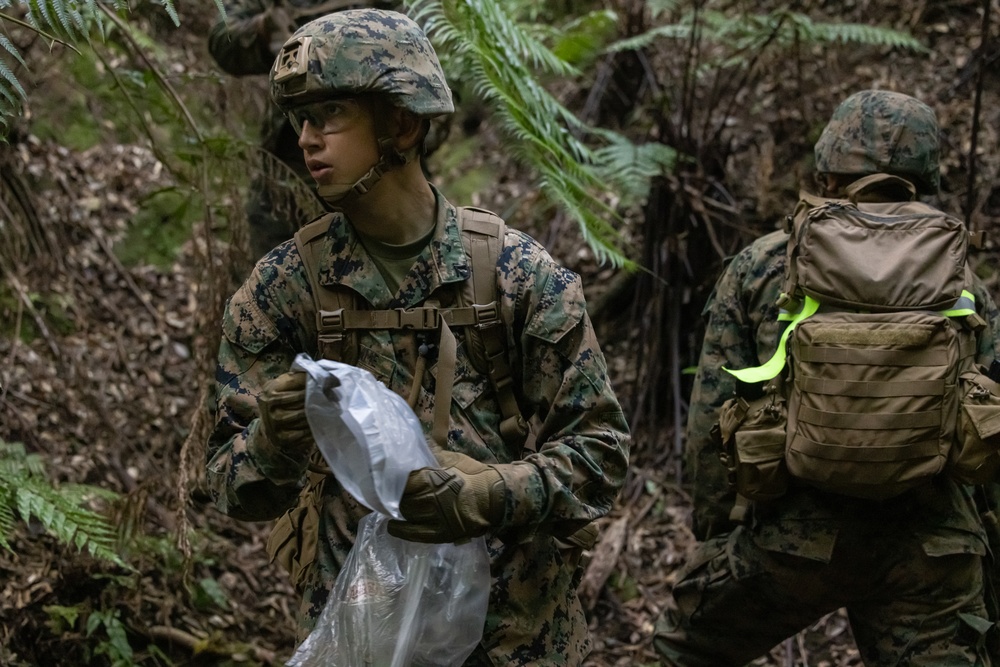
{"x":408,"y":129}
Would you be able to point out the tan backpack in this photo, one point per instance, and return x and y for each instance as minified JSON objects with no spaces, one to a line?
{"x":874,"y":388}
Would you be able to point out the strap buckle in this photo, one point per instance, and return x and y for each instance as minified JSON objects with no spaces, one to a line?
{"x":486,"y":313}
{"x":330,"y":319}
{"x":419,"y":318}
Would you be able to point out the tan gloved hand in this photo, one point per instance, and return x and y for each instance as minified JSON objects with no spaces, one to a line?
{"x":462,"y":499}
{"x":282,"y":404}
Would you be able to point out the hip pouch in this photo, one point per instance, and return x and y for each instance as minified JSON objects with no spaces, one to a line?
{"x":975,"y":458}
{"x":753,"y":436}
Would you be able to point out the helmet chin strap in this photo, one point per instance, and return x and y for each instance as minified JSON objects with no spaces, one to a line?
{"x":338,"y":194}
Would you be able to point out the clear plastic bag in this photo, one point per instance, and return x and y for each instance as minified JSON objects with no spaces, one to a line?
{"x":395,"y":602}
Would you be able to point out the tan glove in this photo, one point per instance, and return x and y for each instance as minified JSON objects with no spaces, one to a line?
{"x":462,"y":499}
{"x":282,"y":404}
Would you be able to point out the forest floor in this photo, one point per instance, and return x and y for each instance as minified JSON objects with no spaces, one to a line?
{"x":101,"y":374}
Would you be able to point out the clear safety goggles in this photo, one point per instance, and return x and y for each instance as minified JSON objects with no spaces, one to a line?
{"x":327,"y":116}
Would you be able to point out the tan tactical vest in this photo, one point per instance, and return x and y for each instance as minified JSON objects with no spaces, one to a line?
{"x":339,"y":322}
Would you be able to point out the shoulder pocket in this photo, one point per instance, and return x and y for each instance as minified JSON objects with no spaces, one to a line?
{"x":560,"y":307}
{"x":245,"y":325}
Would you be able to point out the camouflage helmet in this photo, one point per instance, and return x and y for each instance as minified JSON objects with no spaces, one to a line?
{"x":361,"y":51}
{"x":877,"y":131}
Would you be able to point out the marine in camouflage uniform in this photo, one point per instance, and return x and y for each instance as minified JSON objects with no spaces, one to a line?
{"x":245,"y":43}
{"x":909,"y":569}
{"x":580,"y":455}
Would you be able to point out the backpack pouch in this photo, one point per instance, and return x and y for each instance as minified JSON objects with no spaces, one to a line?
{"x":873,"y":401}
{"x":757,"y":446}
{"x":975,"y":458}
{"x":861,"y":259}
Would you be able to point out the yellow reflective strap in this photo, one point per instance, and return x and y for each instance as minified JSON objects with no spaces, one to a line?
{"x":965,"y":306}
{"x":774,"y":365}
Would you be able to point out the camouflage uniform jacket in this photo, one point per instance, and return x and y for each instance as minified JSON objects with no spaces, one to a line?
{"x":582,"y":440}
{"x":743,"y":332}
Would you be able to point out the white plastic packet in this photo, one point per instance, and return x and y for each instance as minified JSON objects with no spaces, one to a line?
{"x":395,"y":602}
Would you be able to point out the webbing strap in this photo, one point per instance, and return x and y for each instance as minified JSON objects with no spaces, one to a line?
{"x":964,"y":307}
{"x":875,"y":453}
{"x":841,"y":355}
{"x":856,"y":389}
{"x":331,"y":342}
{"x":484,"y":235}
{"x":423,"y":318}
{"x":338,"y":320}
{"x":879,"y":421}
{"x":483,"y":231}
{"x":443,"y":386}
{"x":770,"y":369}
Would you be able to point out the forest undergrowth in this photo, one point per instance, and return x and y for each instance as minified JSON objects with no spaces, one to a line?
{"x":103,"y":342}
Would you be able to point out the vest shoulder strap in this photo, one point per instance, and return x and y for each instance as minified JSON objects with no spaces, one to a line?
{"x":483,"y":235}
{"x":477,"y":311}
{"x":332,"y":342}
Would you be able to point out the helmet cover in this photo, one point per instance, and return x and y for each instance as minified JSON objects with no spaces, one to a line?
{"x":361,"y":51}
{"x":878,"y":131}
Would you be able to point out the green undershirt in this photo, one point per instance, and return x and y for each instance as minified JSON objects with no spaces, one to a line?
{"x":395,"y":261}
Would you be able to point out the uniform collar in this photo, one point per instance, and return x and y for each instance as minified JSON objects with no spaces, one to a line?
{"x":347,"y":264}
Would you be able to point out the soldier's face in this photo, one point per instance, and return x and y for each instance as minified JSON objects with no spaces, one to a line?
{"x":337,"y":138}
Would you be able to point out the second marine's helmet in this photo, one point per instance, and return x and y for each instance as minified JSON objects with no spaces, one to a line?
{"x":878,"y":131}
{"x":361,"y":51}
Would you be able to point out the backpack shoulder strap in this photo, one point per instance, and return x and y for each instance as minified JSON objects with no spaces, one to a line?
{"x":333,"y":341}
{"x":483,"y":236}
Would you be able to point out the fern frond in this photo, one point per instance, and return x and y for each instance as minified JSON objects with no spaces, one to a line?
{"x":498,"y":57}
{"x":168,"y":7}
{"x":632,"y":167}
{"x":510,"y":36}
{"x":62,"y":511}
{"x":54,"y":16}
{"x":857,"y":33}
{"x":650,"y":37}
{"x":11,"y":91}
{"x":69,"y":523}
{"x":6,"y":516}
{"x":579,"y":40}
{"x":745,"y":33}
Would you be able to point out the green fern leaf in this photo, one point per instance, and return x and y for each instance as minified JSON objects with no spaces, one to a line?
{"x":743,"y":33}
{"x":650,"y":37}
{"x":500,"y":59}
{"x":583,"y":38}
{"x":63,"y":512}
{"x":6,"y":517}
{"x":866,"y":34}
{"x":168,"y":7}
{"x":632,"y":167}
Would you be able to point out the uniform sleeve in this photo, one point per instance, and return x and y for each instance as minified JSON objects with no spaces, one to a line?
{"x":236,"y":42}
{"x":741,"y":332}
{"x":988,"y":348}
{"x":581,"y":437}
{"x":248,"y":481}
